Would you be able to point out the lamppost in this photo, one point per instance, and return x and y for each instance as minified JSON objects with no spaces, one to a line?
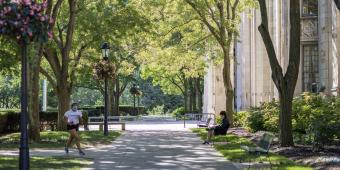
{"x":105,"y":52}
{"x":24,"y":150}
{"x":134,"y":91}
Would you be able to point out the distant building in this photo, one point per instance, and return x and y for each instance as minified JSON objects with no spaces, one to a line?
{"x":320,"y":59}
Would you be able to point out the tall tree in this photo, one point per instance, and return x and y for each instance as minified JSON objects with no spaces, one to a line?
{"x":221,"y":17}
{"x":337,"y":3}
{"x":61,"y":65}
{"x":284,"y":82}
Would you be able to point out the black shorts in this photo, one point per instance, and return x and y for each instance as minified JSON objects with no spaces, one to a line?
{"x":70,"y":127}
{"x":220,"y":131}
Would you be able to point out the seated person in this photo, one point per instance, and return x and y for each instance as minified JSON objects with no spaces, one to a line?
{"x":219,"y":129}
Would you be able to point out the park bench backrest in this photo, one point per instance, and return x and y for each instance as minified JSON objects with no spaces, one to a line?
{"x":266,"y":141}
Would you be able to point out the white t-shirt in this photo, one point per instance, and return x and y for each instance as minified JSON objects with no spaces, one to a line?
{"x":73,"y":116}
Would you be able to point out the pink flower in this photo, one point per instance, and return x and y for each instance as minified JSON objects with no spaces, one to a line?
{"x":27,"y":2}
{"x":42,"y":18}
{"x":50,"y":34}
{"x":44,"y":4}
{"x":30,"y":33}
{"x":31,"y":12}
{"x":51,"y":21}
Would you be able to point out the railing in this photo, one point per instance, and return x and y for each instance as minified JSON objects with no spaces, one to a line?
{"x":130,"y":118}
{"x":199,"y":117}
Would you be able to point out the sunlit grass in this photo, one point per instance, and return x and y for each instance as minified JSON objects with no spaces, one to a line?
{"x":11,"y":162}
{"x":54,"y":139}
{"x":233,"y":152}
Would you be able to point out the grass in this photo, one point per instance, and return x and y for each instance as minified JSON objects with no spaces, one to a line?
{"x":233,"y":152}
{"x":11,"y":162}
{"x":55,"y":139}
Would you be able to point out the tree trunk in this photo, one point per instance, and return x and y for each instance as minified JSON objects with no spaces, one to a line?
{"x":64,"y":101}
{"x":337,"y":3}
{"x":285,"y":119}
{"x":285,"y":83}
{"x":186,"y":96}
{"x":117,"y":95}
{"x":33,"y":98}
{"x":111,"y":86}
{"x":229,"y":91}
{"x":199,"y":94}
{"x":191,"y":97}
{"x":193,"y":94}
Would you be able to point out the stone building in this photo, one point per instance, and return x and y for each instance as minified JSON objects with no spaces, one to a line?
{"x":320,"y":59}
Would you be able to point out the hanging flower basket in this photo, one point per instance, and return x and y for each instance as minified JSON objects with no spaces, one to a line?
{"x":104,"y":69}
{"x":25,"y":20}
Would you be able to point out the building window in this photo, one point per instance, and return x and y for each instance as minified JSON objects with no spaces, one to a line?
{"x":310,"y":67}
{"x":309,"y":7}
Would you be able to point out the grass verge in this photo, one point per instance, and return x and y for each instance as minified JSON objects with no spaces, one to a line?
{"x":11,"y":162}
{"x":232,"y":151}
{"x":55,"y":139}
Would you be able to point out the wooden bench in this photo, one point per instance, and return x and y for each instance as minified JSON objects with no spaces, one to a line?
{"x":111,"y":120}
{"x":101,"y":124}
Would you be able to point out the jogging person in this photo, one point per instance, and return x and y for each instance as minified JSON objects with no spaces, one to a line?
{"x":73,"y":117}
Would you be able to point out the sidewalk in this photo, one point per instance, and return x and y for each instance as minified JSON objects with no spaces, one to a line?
{"x":145,"y":148}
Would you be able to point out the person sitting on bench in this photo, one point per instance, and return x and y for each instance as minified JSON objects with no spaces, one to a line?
{"x":219,"y":129}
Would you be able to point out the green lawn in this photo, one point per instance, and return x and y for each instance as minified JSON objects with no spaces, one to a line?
{"x":10,"y":162}
{"x":55,"y":139}
{"x":233,"y":152}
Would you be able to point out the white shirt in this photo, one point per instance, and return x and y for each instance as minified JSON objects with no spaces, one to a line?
{"x":73,"y":116}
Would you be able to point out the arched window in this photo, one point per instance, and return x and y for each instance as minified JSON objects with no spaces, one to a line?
{"x":309,"y":7}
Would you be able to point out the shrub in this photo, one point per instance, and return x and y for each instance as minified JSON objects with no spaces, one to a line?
{"x":255,"y":120}
{"x":314,"y":119}
{"x":179,"y":112}
{"x":240,"y":119}
{"x":158,"y":110}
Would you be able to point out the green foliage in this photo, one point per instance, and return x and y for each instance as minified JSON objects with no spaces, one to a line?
{"x":58,"y":162}
{"x":52,"y":139}
{"x":240,"y":119}
{"x":315,"y":119}
{"x":158,"y":110}
{"x":9,"y":92}
{"x":179,"y":112}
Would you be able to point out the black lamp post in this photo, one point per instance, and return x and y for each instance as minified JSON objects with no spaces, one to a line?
{"x":105,"y":52}
{"x":134,"y":91}
{"x":24,"y":150}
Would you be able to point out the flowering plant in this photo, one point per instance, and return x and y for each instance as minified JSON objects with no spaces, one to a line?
{"x":104,"y":69}
{"x":25,"y":20}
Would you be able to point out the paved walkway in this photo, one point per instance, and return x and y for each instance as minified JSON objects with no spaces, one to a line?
{"x":145,"y":148}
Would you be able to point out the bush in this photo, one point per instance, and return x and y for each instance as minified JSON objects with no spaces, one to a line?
{"x":178,"y":113}
{"x":315,"y":119}
{"x":255,"y":120}
{"x":158,"y":110}
{"x":240,"y":119}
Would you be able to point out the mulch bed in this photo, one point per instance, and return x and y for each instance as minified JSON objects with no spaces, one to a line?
{"x":325,"y":159}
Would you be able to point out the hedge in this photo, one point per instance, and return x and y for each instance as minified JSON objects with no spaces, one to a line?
{"x":10,"y":118}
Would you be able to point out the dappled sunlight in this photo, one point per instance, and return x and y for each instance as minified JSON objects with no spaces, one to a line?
{"x":158,"y":150}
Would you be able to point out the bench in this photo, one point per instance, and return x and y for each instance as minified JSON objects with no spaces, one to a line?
{"x":101,"y":124}
{"x":111,"y":120}
{"x":204,"y":123}
{"x":262,"y":147}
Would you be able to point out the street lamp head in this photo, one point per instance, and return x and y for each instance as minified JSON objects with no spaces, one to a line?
{"x":105,"y":50}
